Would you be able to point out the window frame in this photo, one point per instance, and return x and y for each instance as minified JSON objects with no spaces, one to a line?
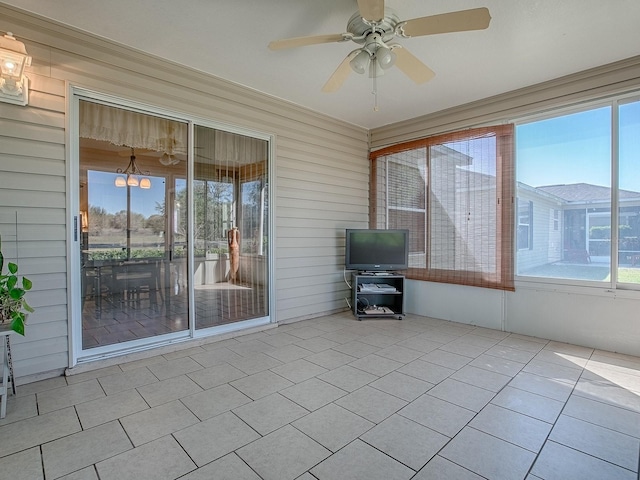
{"x":614,"y":101}
{"x":76,"y":353}
{"x":529,"y":225}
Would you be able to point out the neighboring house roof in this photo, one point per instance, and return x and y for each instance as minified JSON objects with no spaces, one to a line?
{"x":585,"y":192}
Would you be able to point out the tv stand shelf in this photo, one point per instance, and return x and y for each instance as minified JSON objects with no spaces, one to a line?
{"x":377,"y":295}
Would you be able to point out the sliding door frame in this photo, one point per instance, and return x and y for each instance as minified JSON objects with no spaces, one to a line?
{"x":74,"y":288}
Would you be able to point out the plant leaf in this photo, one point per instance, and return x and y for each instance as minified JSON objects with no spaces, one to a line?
{"x":18,"y":325}
{"x":12,"y":281}
{"x":27,"y":307}
{"x":26,"y":283}
{"x":13,"y":268}
{"x":16,"y":293}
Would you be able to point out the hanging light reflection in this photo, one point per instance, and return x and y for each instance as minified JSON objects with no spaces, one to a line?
{"x":129,"y":176}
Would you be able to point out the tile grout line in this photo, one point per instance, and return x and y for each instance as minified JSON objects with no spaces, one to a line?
{"x":564,"y":405}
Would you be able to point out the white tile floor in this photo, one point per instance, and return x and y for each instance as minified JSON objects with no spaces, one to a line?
{"x":337,"y":399}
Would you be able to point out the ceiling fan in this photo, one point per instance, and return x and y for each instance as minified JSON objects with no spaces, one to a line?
{"x":166,"y":156}
{"x":374,"y":27}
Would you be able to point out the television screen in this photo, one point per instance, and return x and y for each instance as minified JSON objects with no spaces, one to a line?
{"x":376,"y":250}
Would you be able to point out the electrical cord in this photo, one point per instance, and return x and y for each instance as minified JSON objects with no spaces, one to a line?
{"x":362,"y":305}
{"x":344,"y":275}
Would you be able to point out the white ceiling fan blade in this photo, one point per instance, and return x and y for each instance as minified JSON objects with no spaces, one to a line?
{"x":461,"y":21}
{"x":340,"y":75}
{"x":412,"y":67}
{"x":304,"y":41}
{"x":371,"y":10}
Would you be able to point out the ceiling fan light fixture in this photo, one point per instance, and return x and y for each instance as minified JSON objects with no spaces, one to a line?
{"x":386,"y":57}
{"x":360,"y":62}
{"x":168,"y":159}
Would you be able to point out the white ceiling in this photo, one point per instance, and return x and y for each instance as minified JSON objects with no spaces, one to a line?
{"x":527,"y":42}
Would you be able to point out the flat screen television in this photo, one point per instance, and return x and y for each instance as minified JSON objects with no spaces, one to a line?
{"x":376,"y":250}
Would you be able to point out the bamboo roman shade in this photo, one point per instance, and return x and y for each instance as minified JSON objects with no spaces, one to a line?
{"x":454,"y":193}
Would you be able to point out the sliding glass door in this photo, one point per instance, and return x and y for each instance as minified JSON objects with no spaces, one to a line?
{"x":230,"y":275}
{"x":172,"y":237}
{"x":133,"y":245}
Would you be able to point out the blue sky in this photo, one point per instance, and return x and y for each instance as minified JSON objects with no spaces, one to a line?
{"x":103,"y":193}
{"x":577,"y":148}
{"x":569,"y":149}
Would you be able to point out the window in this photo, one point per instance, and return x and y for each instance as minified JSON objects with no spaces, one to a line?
{"x":565,"y":163}
{"x":407,"y":208}
{"x":213,"y":214}
{"x":525,"y":224}
{"x":450,"y":192}
{"x":254,"y":208}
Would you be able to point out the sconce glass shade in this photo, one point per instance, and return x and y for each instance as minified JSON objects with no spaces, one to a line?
{"x":14,"y":86}
{"x":360,"y":62}
{"x":120,"y":181}
{"x":132,"y":181}
{"x":13,"y":57}
{"x":145,"y":183}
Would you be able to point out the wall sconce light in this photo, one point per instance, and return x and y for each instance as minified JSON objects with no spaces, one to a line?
{"x":14,"y":86}
{"x":129,"y":176}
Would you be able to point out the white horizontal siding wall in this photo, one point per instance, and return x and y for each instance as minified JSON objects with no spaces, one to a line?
{"x":590,"y":316}
{"x":320,"y":194}
{"x":320,"y":186}
{"x":32,"y":208}
{"x":546,"y":246}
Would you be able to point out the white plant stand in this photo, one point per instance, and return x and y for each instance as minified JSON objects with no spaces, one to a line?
{"x":7,"y":371}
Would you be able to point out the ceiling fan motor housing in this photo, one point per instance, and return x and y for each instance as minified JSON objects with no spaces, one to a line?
{"x":360,"y":28}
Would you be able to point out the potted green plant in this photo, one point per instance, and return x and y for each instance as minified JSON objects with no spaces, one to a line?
{"x":13,"y":306}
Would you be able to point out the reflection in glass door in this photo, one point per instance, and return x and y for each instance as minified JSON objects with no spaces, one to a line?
{"x":133,"y":244}
{"x":230,"y":237}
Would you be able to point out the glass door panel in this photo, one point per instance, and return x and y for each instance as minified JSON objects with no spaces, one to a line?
{"x":230,"y":235}
{"x":132,"y":240}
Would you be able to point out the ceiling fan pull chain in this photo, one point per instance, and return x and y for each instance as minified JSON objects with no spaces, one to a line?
{"x":375,"y":93}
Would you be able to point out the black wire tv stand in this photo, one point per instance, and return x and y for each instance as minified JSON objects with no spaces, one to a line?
{"x":377,"y":294}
